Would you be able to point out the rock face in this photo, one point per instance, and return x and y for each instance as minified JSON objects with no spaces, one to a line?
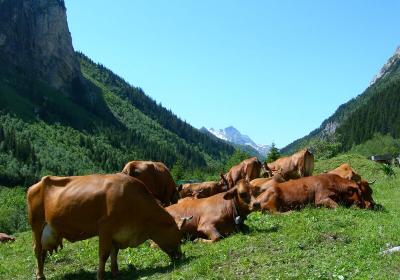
{"x":35,"y":42}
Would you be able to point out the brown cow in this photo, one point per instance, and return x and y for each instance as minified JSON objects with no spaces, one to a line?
{"x":117,"y":208}
{"x":323,"y":190}
{"x":204,"y":189}
{"x":347,"y":172}
{"x":248,"y":169}
{"x":6,"y":238}
{"x":260,"y":185}
{"x":156,"y":177}
{"x":300,"y":164}
{"x":216,"y":216}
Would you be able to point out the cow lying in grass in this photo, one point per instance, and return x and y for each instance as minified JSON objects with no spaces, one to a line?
{"x":347,"y":172}
{"x":117,"y":208}
{"x":204,"y":189}
{"x":260,"y":185}
{"x":217,"y":216}
{"x":328,"y":190}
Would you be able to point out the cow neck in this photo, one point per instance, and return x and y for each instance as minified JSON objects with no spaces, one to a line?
{"x":236,"y":215}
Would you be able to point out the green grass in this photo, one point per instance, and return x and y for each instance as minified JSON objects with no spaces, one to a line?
{"x":308,"y":244}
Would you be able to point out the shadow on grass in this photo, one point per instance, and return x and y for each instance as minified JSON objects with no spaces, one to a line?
{"x":129,"y":273}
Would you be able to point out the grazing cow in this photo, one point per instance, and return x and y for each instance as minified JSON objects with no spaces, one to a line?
{"x":300,"y":164}
{"x":202,"y":190}
{"x":6,"y":238}
{"x":323,"y":190}
{"x":260,"y":185}
{"x":248,"y":169}
{"x":156,"y":177}
{"x":117,"y":208}
{"x":216,"y":216}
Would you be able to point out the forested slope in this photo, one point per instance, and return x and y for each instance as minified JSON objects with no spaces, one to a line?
{"x":44,"y":132}
{"x":376,"y":110}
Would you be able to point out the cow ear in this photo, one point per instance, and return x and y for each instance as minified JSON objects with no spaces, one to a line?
{"x":183,"y":221}
{"x":230,"y":194}
{"x":179,"y":188}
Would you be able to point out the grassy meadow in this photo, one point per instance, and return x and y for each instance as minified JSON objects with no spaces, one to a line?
{"x":314,"y":243}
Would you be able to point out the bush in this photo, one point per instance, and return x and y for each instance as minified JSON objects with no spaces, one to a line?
{"x":13,"y":211}
{"x":378,"y":145}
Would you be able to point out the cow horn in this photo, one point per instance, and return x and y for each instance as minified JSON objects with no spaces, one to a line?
{"x":371,"y":183}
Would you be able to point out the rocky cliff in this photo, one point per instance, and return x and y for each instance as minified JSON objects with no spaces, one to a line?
{"x":35,"y":43}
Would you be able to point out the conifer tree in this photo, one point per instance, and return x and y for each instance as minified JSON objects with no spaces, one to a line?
{"x":273,"y":154}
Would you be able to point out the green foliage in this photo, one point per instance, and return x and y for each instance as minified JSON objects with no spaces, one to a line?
{"x":273,"y":154}
{"x":324,"y":148}
{"x":388,"y":170}
{"x":378,"y":145}
{"x":13,"y":212}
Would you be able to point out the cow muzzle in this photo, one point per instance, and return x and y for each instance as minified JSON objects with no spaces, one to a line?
{"x":255,"y":206}
{"x":176,"y":255}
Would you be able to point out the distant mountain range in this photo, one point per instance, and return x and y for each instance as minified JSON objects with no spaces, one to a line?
{"x":234,"y":136}
{"x":376,"y":110}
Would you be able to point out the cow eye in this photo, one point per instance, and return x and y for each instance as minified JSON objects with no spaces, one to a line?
{"x":243,"y":195}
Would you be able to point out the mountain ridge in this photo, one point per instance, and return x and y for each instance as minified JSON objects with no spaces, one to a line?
{"x":233,"y":135}
{"x":389,"y":74}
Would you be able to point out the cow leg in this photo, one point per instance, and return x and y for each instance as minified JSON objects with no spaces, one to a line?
{"x":327,"y":202}
{"x":39,"y":253}
{"x":105,"y":245}
{"x":114,"y":261}
{"x":212,"y":234}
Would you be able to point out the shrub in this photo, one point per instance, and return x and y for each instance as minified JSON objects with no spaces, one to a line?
{"x":13,"y":211}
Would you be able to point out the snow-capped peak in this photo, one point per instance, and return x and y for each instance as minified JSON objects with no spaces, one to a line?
{"x":234,"y":136}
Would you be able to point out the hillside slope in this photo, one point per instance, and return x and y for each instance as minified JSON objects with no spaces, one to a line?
{"x":375,"y":110}
{"x":54,"y":135}
{"x":63,"y":114}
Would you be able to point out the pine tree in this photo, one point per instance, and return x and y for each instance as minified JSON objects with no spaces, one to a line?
{"x":273,"y":154}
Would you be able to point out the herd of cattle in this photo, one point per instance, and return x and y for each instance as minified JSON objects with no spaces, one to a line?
{"x":143,"y":202}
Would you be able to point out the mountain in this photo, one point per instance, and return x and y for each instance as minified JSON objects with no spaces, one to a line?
{"x":232,"y":135}
{"x":63,"y":114}
{"x":35,"y":42}
{"x":376,"y":110}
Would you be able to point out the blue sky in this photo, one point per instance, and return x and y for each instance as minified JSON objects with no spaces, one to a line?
{"x":273,"y":69}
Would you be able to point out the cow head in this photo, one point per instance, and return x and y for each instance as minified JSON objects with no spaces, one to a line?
{"x":366,"y":194}
{"x":243,"y":197}
{"x":175,"y":196}
{"x":266,"y":172}
{"x":353,"y":197}
{"x":171,"y":240}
